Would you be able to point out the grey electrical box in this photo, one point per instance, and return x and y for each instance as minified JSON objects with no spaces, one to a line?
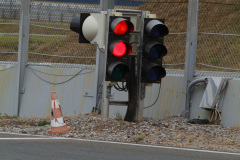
{"x":214,"y":90}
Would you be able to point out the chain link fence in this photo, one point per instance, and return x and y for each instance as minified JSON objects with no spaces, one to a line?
{"x":219,"y":35}
{"x":9,"y":29}
{"x":175,"y":13}
{"x":52,"y":41}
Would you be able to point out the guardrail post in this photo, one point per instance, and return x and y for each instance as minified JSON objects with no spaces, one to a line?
{"x":22,"y":48}
{"x":191,"y":47}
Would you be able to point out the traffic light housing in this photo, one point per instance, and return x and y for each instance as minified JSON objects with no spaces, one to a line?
{"x":119,"y":48}
{"x":90,"y":27}
{"x":153,"y":50}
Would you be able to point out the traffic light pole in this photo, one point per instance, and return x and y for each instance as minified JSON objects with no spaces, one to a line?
{"x":132,"y":90}
{"x":139,"y":86}
{"x":106,"y":89}
{"x":100,"y":70}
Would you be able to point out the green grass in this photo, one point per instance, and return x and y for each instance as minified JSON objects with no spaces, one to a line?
{"x":44,"y":123}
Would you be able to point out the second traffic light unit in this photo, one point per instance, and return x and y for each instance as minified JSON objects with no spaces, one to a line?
{"x":118,"y":48}
{"x":153,"y":50}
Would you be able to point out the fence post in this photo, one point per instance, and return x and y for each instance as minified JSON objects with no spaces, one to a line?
{"x":22,"y":48}
{"x":100,"y":69}
{"x":191,"y":48}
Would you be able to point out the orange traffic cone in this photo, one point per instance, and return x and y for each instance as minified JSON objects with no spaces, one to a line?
{"x":58,"y":125}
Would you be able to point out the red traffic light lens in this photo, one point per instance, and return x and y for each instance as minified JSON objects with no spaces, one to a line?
{"x":121,"y":28}
{"x":119,"y":49}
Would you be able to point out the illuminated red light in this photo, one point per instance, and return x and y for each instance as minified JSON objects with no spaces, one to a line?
{"x":121,"y":28}
{"x":119,"y":49}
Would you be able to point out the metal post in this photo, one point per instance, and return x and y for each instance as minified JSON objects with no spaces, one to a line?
{"x":140,"y":88}
{"x":100,"y":69}
{"x":22,"y":48}
{"x":191,"y":47}
{"x":132,"y":90}
{"x":106,"y":4}
{"x":105,"y":88}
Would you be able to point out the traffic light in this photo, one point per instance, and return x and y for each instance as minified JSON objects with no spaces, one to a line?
{"x":118,"y":48}
{"x":153,"y":50}
{"x":90,"y":27}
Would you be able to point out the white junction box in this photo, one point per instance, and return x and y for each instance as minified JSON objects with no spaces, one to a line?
{"x":214,"y":90}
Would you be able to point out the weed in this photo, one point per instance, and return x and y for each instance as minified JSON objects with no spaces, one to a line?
{"x":6,"y":116}
{"x":140,"y":136}
{"x":2,"y":124}
{"x":118,"y":116}
{"x":44,"y":123}
{"x":190,"y":140}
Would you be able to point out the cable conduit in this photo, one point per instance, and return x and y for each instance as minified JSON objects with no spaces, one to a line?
{"x":187,"y":105}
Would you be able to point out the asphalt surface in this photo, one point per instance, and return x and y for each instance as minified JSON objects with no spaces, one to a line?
{"x":27,"y":147}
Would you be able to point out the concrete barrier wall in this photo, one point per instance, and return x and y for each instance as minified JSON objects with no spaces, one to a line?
{"x":76,"y":93}
{"x":8,"y":93}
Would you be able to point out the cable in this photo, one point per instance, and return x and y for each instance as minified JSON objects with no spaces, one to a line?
{"x":201,"y":114}
{"x":119,"y":88}
{"x":7,"y":68}
{"x":218,"y":67}
{"x":100,"y":50}
{"x":42,"y":54}
{"x":55,"y":74}
{"x":59,"y":82}
{"x":156,"y":99}
{"x":213,"y":115}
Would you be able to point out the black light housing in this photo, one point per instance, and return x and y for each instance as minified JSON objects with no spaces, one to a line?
{"x":153,"y":50}
{"x":119,"y":48}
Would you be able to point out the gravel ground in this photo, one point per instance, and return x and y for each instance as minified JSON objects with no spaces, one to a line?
{"x":173,"y":131}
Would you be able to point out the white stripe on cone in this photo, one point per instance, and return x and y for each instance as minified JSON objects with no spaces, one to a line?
{"x":60,"y":121}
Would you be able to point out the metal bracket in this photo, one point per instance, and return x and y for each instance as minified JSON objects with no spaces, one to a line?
{"x":109,"y":91}
{"x":22,"y":91}
{"x":143,"y":90}
{"x":88,"y":93}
